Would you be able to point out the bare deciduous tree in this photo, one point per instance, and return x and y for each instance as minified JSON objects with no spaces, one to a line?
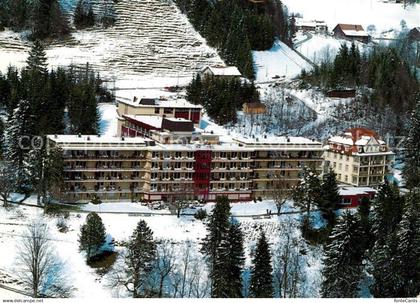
{"x":39,"y":267}
{"x":287,"y":266}
{"x":280,"y":192}
{"x":165,"y":264}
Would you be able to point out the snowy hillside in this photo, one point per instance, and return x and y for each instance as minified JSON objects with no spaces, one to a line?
{"x":280,"y":61}
{"x":149,"y":38}
{"x":383,"y":15}
{"x":90,"y":283}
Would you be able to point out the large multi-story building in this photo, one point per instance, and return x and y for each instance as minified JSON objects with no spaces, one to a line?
{"x":121,"y":168}
{"x":359,"y":157}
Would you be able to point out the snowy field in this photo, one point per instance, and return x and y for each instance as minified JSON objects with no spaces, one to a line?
{"x":279,"y":61}
{"x":149,"y":38}
{"x":321,"y":47}
{"x":90,"y":284}
{"x":383,"y":15}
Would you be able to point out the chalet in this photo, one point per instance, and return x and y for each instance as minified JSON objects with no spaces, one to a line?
{"x":414,"y":34}
{"x":252,"y":108}
{"x":314,"y":26}
{"x":220,"y":71}
{"x":353,"y":32}
{"x":351,"y":196}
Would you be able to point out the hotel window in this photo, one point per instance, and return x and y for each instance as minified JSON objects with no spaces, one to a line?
{"x":167,"y":110}
{"x":157,"y":110}
{"x":347,"y":168}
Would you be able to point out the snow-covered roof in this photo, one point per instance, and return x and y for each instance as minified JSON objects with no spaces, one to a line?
{"x":347,"y":140}
{"x":200,"y":146}
{"x":279,"y":142}
{"x":178,"y":119}
{"x":311,"y":23}
{"x":224,"y":70}
{"x":172,"y":103}
{"x":351,"y":190}
{"x":341,"y":140}
{"x":355,"y":33}
{"x":154,"y":121}
{"x":94,"y":139}
{"x":353,"y":30}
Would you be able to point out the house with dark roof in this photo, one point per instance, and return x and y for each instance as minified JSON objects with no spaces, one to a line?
{"x":353,"y":32}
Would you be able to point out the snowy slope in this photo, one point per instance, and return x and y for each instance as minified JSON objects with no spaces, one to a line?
{"x":280,"y":60}
{"x":365,"y":12}
{"x":90,"y":284}
{"x":150,"y":37}
{"x":321,"y":46}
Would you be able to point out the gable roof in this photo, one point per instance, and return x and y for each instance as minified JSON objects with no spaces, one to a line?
{"x":224,"y":70}
{"x":352,"y":30}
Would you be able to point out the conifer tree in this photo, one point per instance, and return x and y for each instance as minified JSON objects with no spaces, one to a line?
{"x":47,"y":19}
{"x":227,"y":272}
{"x":19,"y":132}
{"x":363,"y":215}
{"x":407,"y":254}
{"x":37,"y":60}
{"x":342,"y":270}
{"x":217,"y":227}
{"x":386,"y":212}
{"x":7,"y":181}
{"x":140,"y":258}
{"x":261,"y":285}
{"x":46,"y":169}
{"x":307,"y":193}
{"x":330,"y":196}
{"x":1,"y":139}
{"x":386,"y":215}
{"x":383,"y":267}
{"x":92,"y":235}
{"x":83,"y":14}
{"x":411,"y":170}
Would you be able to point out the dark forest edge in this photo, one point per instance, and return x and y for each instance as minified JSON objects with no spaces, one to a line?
{"x":383,"y":78}
{"x":236,"y":27}
{"x":46,"y":19}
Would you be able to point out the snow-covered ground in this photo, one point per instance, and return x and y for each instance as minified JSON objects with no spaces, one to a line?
{"x":383,"y":15}
{"x":108,"y":121}
{"x":90,"y":284}
{"x":279,"y":61}
{"x":324,"y":47}
{"x":149,"y":38}
{"x":7,"y":294}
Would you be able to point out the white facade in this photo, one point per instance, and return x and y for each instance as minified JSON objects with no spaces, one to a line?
{"x":358,"y":160}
